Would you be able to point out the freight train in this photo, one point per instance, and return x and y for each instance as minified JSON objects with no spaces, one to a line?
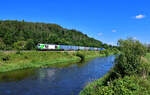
{"x":65,"y":47}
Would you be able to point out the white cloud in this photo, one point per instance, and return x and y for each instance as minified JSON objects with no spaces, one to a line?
{"x":100,"y":34}
{"x":134,"y":38}
{"x":140,"y":16}
{"x":112,"y":43}
{"x":114,"y":30}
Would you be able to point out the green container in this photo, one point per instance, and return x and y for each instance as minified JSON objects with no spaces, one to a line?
{"x":42,"y":46}
{"x":58,"y":46}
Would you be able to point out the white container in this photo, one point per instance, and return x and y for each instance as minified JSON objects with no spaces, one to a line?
{"x":51,"y":46}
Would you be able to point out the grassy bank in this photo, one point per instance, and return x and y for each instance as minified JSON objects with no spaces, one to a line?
{"x":128,"y":85}
{"x":34,"y":59}
{"x":130,"y":74}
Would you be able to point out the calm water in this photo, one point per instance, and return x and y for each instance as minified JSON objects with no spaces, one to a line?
{"x":68,"y":80}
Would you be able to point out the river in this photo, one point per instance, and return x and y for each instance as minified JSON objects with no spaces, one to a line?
{"x":66,"y":80}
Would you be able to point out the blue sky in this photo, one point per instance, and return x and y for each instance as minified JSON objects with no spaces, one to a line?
{"x":105,"y":20}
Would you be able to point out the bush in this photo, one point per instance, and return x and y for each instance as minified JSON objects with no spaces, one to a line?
{"x":30,"y":44}
{"x":126,"y":86}
{"x":2,"y":46}
{"x":105,"y":51}
{"x":129,"y":61}
{"x":115,"y":51}
{"x":20,"y":45}
{"x":5,"y":58}
{"x":81,"y":56}
{"x":129,"y":85}
{"x":144,"y":68}
{"x":18,"y":52}
{"x":26,"y":57}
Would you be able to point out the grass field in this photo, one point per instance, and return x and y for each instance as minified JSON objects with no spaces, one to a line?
{"x":34,"y":59}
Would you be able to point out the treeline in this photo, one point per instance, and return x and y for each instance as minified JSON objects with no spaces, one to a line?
{"x":26,"y":35}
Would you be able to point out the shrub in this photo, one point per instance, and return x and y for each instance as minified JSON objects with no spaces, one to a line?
{"x":115,"y":51}
{"x":128,"y":62}
{"x":5,"y":58}
{"x":2,"y":45}
{"x":144,"y":68}
{"x":81,"y":56}
{"x":18,"y":52}
{"x":26,"y":57}
{"x":20,"y":45}
{"x":30,"y":44}
{"x":126,"y":86}
{"x":106,"y":52}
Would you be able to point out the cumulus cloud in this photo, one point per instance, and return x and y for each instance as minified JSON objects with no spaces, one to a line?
{"x":140,"y":16}
{"x":100,"y":34}
{"x":114,"y":30}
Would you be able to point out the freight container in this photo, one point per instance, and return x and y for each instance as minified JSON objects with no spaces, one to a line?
{"x":65,"y":47}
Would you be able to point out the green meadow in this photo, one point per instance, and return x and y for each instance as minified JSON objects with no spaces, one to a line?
{"x":10,"y":61}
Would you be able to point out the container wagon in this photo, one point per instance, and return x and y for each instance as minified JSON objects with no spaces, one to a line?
{"x":45,"y":47}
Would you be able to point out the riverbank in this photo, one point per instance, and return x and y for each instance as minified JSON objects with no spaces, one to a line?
{"x":135,"y":84}
{"x":10,"y":61}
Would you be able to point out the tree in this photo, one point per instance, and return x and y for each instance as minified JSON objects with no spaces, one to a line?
{"x":2,"y":45}
{"x":20,"y":45}
{"x":14,"y":31}
{"x":30,"y":45}
{"x":128,"y":62}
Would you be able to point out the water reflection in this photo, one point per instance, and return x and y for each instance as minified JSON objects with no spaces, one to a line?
{"x":66,"y":80}
{"x":16,"y":75}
